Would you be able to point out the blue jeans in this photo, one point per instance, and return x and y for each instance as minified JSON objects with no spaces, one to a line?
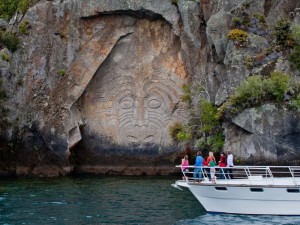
{"x":222,"y":173}
{"x":198,"y":173}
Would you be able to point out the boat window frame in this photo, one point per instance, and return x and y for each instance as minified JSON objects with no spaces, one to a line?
{"x":293,"y":190}
{"x":221,"y":188}
{"x":256,"y":189}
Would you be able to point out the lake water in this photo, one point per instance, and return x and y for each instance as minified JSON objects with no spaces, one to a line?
{"x":110,"y":200}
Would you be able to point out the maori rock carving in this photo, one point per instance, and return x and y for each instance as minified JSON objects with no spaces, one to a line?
{"x":135,"y":94}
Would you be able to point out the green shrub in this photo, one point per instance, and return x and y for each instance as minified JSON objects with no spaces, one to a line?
{"x":24,"y":27}
{"x":261,"y":18}
{"x":183,"y":136}
{"x":281,"y":83}
{"x":255,"y":90}
{"x":223,"y":108}
{"x":61,"y":72}
{"x":216,"y":141}
{"x":23,"y":5}
{"x":238,"y":35}
{"x":8,"y":8}
{"x":296,"y":33}
{"x":294,"y":57}
{"x":11,"y":41}
{"x":200,"y":143}
{"x":296,"y":103}
{"x":283,"y":34}
{"x":237,"y":21}
{"x":249,"y":92}
{"x":174,"y":129}
{"x":187,"y":96}
{"x":179,"y":133}
{"x":5,"y":56}
{"x":203,"y":123}
{"x":249,"y":62}
{"x":208,"y":116}
{"x":295,"y":87}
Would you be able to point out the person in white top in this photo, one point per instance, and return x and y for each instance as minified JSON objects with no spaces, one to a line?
{"x":230,"y":164}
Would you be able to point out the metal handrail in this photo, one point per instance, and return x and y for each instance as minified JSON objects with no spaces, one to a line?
{"x":249,"y":173}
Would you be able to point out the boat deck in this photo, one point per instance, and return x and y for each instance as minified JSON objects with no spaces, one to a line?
{"x":257,"y":190}
{"x":246,"y":176}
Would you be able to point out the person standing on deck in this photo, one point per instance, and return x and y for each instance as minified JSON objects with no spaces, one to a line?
{"x":222,"y":163}
{"x":198,"y":167}
{"x":207,"y":163}
{"x":184,"y":167}
{"x":230,"y":165}
{"x":212,"y":165}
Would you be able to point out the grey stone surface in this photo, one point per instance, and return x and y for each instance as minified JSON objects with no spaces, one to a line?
{"x":102,"y":79}
{"x":264,"y":133}
{"x":217,"y":29}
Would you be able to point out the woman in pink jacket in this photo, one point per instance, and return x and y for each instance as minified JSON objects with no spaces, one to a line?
{"x":184,"y":166}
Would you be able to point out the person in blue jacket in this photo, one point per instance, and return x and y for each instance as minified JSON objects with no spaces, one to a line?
{"x":198,"y":167}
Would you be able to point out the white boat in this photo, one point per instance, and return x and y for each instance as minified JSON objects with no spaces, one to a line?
{"x":267,"y":190}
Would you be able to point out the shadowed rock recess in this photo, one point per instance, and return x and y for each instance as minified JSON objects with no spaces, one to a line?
{"x":96,"y":84}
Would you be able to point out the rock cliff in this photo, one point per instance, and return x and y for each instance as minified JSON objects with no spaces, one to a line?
{"x":95,"y":85}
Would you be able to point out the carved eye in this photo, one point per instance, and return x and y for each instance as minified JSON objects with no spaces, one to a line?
{"x":154,"y":103}
{"x":149,"y":139}
{"x":132,"y":139}
{"x":126,"y":103}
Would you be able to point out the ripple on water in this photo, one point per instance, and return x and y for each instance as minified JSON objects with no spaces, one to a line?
{"x":111,"y":200}
{"x":229,"y":219}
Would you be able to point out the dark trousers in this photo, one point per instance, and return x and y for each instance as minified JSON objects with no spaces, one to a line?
{"x":229,"y":173}
{"x":207,"y":171}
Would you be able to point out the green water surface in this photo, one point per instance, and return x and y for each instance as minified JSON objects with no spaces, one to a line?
{"x":111,"y":200}
{"x":95,"y":200}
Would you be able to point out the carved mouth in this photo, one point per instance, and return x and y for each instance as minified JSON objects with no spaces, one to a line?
{"x":140,"y":140}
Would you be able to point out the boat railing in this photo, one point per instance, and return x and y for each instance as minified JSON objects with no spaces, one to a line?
{"x":269,"y":175}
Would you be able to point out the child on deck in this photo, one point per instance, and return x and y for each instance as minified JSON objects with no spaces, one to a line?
{"x":212,"y":164}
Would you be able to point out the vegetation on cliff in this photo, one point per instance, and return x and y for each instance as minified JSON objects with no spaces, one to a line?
{"x":9,"y":7}
{"x":257,"y":90}
{"x":295,"y":54}
{"x":203,"y":126}
{"x":264,"y":84}
{"x":10,"y":40}
{"x":238,"y":36}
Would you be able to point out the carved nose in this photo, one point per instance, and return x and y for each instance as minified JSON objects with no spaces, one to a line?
{"x":140,"y":114}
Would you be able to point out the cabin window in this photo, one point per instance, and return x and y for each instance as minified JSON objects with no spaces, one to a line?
{"x":256,"y":189}
{"x":293,"y":190}
{"x":221,"y":188}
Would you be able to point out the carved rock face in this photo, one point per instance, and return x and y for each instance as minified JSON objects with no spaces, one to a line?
{"x":135,"y":94}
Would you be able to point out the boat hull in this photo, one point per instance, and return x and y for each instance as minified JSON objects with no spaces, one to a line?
{"x":264,"y":200}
